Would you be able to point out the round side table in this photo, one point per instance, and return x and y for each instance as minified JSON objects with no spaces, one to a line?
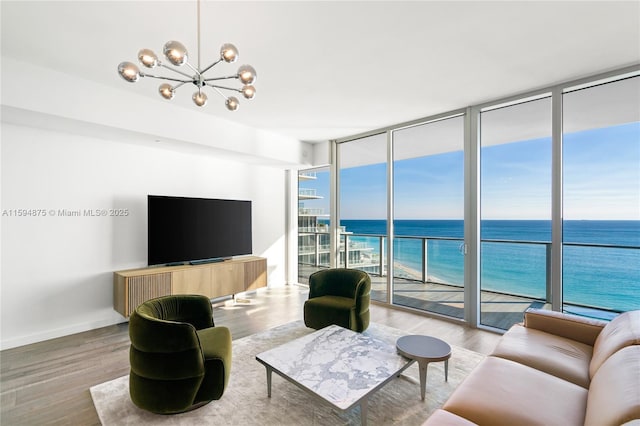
{"x":425,"y":349}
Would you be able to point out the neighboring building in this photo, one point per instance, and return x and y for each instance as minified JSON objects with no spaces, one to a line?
{"x":313,"y":236}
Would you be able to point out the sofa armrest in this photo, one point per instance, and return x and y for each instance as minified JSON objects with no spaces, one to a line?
{"x":580,"y":329}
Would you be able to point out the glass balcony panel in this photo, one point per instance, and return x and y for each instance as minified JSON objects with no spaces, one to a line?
{"x":600,"y":281}
{"x":434,"y":283}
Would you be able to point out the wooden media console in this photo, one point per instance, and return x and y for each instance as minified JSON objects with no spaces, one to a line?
{"x":218,"y":279}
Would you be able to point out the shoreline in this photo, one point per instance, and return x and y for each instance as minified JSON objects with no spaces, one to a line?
{"x":403,"y":271}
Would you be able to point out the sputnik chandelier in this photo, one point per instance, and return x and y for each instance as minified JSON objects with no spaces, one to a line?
{"x":177,"y":55}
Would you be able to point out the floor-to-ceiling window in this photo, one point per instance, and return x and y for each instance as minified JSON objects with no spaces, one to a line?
{"x":601,"y":198}
{"x":363,"y":208}
{"x":428,"y":208}
{"x":515,"y":208}
{"x":529,"y":201}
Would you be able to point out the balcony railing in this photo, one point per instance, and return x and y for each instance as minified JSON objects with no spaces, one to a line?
{"x":307,"y":192}
{"x":536,"y":255}
{"x":309,"y":211}
{"x":310,"y":175}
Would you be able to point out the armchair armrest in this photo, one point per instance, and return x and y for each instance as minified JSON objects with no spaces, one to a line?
{"x":581,"y":329}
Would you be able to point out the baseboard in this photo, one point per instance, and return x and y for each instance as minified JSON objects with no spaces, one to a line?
{"x":55,"y":333}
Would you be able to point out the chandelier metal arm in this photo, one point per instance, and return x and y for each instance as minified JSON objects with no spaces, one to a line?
{"x":220,"y":78}
{"x":223,"y":87}
{"x":168,"y":78}
{"x":210,"y":66}
{"x":219,"y":92}
{"x":177,"y":71}
{"x":194,"y":69}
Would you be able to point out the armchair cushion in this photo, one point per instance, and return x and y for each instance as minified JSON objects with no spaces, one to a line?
{"x":322,"y":311}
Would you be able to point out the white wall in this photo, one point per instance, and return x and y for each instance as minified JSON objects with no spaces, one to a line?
{"x":59,"y":100}
{"x":57,"y":271}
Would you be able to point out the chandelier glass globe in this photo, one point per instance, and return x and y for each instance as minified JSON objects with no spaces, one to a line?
{"x":148,"y":58}
{"x":228,"y":53}
{"x":247,"y":74}
{"x":232,"y":103}
{"x":176,"y":53}
{"x":129,"y":71}
{"x":199,"y":98}
{"x":166,"y":91}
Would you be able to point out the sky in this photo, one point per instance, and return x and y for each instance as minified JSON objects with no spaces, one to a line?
{"x":601,"y":178}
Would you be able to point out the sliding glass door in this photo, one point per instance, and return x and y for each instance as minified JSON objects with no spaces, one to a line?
{"x":428,"y":197}
{"x":363,"y":209}
{"x":601,"y":226}
{"x":515,"y":227}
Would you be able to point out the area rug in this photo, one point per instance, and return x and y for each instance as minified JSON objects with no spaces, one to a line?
{"x":245,"y":400}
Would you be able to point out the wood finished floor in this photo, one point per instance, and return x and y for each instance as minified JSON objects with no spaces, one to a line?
{"x":48,"y":382}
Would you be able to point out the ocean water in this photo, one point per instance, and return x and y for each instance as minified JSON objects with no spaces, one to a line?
{"x":599,"y":277}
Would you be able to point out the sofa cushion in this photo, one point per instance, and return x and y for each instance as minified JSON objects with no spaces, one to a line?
{"x":614,"y":395}
{"x":445,"y":418}
{"x":582,"y":329}
{"x":503,"y":392}
{"x":558,"y":356}
{"x":622,"y":331}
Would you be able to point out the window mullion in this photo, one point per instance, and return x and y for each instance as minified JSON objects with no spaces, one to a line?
{"x":556,"y":200}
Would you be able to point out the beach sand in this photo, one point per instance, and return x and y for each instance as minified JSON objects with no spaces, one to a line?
{"x":403,"y":271}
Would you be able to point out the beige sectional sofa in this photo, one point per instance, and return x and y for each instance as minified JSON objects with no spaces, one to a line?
{"x":554,"y":369}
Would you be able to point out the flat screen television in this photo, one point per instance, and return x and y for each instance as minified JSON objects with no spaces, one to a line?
{"x":195,"y":230}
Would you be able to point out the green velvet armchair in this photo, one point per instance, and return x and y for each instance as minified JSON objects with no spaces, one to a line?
{"x":179,"y":360}
{"x":338,"y":296}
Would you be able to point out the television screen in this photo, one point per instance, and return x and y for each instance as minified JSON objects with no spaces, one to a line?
{"x":184,"y":229}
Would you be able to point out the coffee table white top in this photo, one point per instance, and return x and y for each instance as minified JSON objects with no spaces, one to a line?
{"x":337,"y":364}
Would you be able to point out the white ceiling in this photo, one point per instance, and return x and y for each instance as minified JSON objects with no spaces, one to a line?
{"x":333,"y":69}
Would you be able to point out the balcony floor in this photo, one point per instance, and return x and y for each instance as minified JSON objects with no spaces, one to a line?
{"x":497,"y":310}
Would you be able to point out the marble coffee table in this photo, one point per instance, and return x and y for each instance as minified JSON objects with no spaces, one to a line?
{"x":337,"y":365}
